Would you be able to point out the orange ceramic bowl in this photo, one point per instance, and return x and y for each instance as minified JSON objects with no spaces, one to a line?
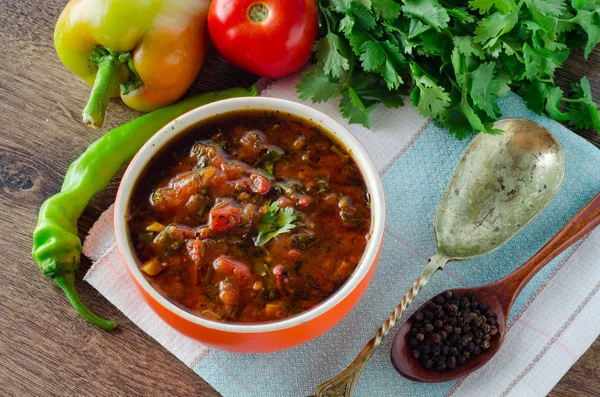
{"x":258,"y":337}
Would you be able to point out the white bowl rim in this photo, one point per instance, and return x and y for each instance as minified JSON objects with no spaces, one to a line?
{"x":195,"y":116}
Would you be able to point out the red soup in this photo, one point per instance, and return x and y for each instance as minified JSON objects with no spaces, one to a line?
{"x":249,"y":217}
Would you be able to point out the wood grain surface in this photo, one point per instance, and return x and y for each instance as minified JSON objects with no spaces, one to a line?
{"x":46,"y":349}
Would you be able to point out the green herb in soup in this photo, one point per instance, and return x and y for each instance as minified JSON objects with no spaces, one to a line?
{"x":250,"y":217}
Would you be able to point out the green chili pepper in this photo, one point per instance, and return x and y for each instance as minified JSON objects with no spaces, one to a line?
{"x":56,"y":247}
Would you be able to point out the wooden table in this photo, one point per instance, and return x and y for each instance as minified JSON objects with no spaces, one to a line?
{"x":45,"y":347}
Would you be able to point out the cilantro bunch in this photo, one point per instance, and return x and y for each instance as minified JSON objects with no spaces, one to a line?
{"x":455,"y":58}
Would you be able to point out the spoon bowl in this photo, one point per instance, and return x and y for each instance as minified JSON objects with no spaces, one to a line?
{"x":499,"y":297}
{"x":500,"y":184}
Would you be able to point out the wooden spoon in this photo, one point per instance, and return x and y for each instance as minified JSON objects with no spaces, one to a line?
{"x":499,"y":296}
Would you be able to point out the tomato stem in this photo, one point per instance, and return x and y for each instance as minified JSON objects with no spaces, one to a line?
{"x":258,"y":12}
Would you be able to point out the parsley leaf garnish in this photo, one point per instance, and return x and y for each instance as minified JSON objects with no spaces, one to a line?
{"x":274,"y":222}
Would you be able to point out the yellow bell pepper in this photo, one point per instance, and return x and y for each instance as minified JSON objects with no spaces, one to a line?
{"x":147,"y":51}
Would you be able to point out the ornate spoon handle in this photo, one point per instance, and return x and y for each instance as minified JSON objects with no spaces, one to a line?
{"x":343,"y":384}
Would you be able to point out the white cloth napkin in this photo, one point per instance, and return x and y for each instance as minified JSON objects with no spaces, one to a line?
{"x":553,"y":323}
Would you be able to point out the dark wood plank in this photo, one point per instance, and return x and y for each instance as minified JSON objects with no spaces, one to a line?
{"x":46,"y":348}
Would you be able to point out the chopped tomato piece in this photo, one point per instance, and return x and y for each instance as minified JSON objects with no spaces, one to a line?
{"x":260,"y":184}
{"x":195,"y":250}
{"x":224,"y":217}
{"x":226,"y":267}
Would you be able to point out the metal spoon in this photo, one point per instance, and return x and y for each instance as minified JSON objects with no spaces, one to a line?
{"x":499,"y":185}
{"x":499,"y":296}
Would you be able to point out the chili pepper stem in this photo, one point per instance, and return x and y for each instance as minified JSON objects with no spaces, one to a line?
{"x":104,"y":86}
{"x":66,"y":282}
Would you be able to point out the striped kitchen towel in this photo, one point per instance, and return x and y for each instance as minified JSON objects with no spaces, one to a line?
{"x":552,"y":324}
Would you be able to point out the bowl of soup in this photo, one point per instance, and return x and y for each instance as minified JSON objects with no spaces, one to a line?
{"x":251,"y":224}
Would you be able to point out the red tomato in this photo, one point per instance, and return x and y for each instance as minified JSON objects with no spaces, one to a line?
{"x":260,"y":184}
{"x":270,"y":38}
{"x":224,"y":217}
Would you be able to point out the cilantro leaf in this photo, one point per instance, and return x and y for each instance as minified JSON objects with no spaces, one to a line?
{"x":391,"y":76}
{"x":316,"y":86}
{"x":471,"y":116}
{"x":416,"y":28}
{"x":363,"y":18}
{"x":540,"y":62}
{"x":353,"y":109}
{"x":583,"y":112}
{"x":369,"y":87}
{"x":427,"y":96}
{"x":274,"y":222}
{"x":491,"y":28}
{"x":331,"y":55}
{"x":357,"y":38}
{"x":341,"y":6}
{"x":386,"y":9}
{"x":546,"y":12}
{"x":461,"y":14}
{"x":484,"y":6}
{"x":590,"y":23}
{"x":347,"y":24}
{"x":540,"y":96}
{"x":468,"y":47}
{"x":372,"y":55}
{"x":430,"y":12}
{"x":485,"y":88}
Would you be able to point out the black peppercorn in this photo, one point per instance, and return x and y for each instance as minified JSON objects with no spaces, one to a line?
{"x":481,"y":320}
{"x":445,"y":351}
{"x":466,"y":329}
{"x":440,"y":366}
{"x":461,"y":360}
{"x":472,"y":296}
{"x":458,"y":330}
{"x":429,"y":328}
{"x":420,"y":337}
{"x":451,"y":363}
{"x":439,"y":300}
{"x":436,"y":338}
{"x":467,"y":354}
{"x":453,"y":351}
{"x":464,"y":303}
{"x":428,"y":363}
{"x":436,"y":351}
{"x":416,"y":354}
{"x":438,"y":324}
{"x":477,"y":350}
{"x":414,"y":342}
{"x":485,"y":328}
{"x":448,"y":294}
{"x":419,"y":316}
{"x":470,"y":347}
{"x":485,"y":345}
{"x":478,"y":333}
